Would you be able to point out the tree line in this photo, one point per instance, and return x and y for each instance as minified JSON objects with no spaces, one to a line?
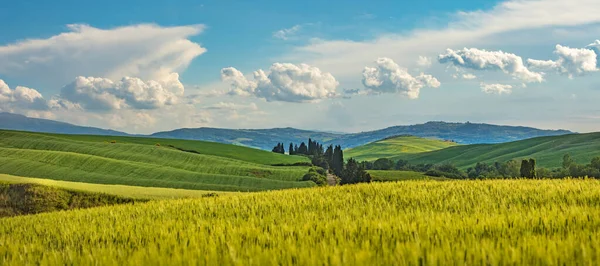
{"x":328,"y":160}
{"x":526,"y":168}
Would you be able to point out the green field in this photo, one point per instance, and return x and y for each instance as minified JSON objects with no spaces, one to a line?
{"x":140,"y":162}
{"x":117,"y":190}
{"x":548,"y":151}
{"x":499,"y":222}
{"x":391,"y":147}
{"x":385,"y":176}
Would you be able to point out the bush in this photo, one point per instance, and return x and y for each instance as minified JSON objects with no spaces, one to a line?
{"x":314,"y":174}
{"x":157,"y":144}
{"x":446,"y":170}
{"x":383,"y":164}
{"x":113,"y":141}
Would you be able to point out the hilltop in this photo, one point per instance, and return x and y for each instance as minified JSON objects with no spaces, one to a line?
{"x":392,"y":146}
{"x":548,"y":151}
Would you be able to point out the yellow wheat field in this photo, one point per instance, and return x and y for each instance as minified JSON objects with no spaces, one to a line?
{"x":525,"y":222}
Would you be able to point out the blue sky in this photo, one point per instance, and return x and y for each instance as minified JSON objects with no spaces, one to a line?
{"x":144,"y":66}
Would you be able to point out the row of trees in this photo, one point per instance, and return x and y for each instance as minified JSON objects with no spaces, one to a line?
{"x":331,"y":160}
{"x":279,"y":148}
{"x":525,"y":169}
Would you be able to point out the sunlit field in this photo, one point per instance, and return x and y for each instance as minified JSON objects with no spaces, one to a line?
{"x":524,"y":222}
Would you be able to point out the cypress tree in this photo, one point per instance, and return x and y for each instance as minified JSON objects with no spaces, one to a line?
{"x":329,"y":155}
{"x":338,"y":160}
{"x":525,"y":169}
{"x":291,"y":149}
{"x":303,"y":149}
{"x":532,"y":173}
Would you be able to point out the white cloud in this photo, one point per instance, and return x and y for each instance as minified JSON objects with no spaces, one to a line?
{"x":104,"y":94}
{"x":496,"y":88}
{"x":285,"y":34}
{"x":424,"y":62}
{"x":477,"y":59}
{"x":388,"y":77}
{"x":571,"y":61}
{"x":469,"y":76}
{"x":20,"y":98}
{"x":284,"y":82}
{"x":146,"y":51}
{"x":595,"y":46}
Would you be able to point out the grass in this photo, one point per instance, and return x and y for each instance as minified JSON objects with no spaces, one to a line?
{"x":22,"y":199}
{"x":154,"y":193}
{"x":391,"y":147}
{"x":548,"y":151}
{"x":89,"y":160}
{"x":386,"y":176}
{"x":499,"y":222}
{"x":203,"y":147}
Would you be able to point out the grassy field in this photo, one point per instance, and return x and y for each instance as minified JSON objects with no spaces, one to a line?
{"x":386,"y":176}
{"x":391,"y":147}
{"x":153,"y":193}
{"x":140,"y":162}
{"x":548,"y":151}
{"x":500,"y":222}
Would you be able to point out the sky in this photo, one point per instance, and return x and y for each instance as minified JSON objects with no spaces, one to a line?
{"x":344,"y":66}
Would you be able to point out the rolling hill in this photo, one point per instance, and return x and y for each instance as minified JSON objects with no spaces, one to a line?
{"x":463,"y":133}
{"x":548,"y":151}
{"x":147,"y":162}
{"x":393,"y":146}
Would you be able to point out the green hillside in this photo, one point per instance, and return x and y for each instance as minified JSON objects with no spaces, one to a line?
{"x":493,"y":222}
{"x":141,"y":162}
{"x":391,"y":147}
{"x":548,"y":151}
{"x":134,"y":192}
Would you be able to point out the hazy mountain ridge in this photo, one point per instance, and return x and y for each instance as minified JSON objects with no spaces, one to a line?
{"x":463,"y":133}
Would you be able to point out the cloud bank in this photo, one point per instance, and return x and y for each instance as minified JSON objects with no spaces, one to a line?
{"x":477,"y":59}
{"x":145,"y":51}
{"x":571,"y":61}
{"x":283,"y":82}
{"x":389,"y":77}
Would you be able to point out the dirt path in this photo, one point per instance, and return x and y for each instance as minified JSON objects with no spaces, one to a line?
{"x":331,"y":180}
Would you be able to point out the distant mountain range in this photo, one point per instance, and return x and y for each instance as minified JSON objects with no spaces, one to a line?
{"x":20,"y":122}
{"x":463,"y":133}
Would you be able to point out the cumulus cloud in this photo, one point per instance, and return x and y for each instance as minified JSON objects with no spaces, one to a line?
{"x":20,"y":98}
{"x":571,"y":61}
{"x":146,"y":51}
{"x":104,"y":94}
{"x":388,"y":77}
{"x":496,"y":88}
{"x":477,"y":59}
{"x":595,"y":46}
{"x":284,"y":82}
